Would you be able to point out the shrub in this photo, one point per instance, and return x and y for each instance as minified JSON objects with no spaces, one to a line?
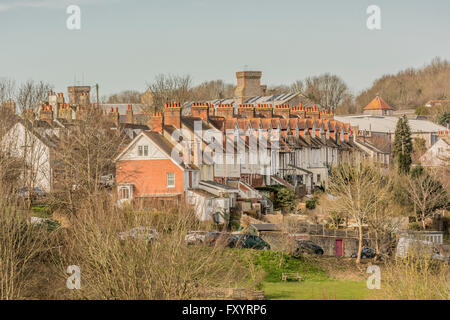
{"x":311,"y":203}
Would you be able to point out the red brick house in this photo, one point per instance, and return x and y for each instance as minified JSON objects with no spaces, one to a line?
{"x":147,"y":172}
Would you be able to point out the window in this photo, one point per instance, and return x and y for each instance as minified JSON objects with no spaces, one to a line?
{"x":171,"y":180}
{"x":142,"y":151}
{"x":124,"y":194}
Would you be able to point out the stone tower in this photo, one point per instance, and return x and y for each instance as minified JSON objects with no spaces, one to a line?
{"x":248,"y":85}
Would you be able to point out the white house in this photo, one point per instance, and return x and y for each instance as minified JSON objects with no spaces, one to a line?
{"x":437,"y":155}
{"x":32,"y":142}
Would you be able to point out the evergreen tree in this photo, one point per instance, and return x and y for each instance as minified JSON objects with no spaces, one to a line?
{"x":403,"y":146}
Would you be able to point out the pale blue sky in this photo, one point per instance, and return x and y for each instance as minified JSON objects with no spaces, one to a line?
{"x":123,"y":44}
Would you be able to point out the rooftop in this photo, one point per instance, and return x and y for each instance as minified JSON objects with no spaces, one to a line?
{"x":387,"y":124}
{"x":378,"y":104}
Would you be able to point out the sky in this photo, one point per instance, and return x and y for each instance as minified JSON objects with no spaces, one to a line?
{"x":124,"y":44}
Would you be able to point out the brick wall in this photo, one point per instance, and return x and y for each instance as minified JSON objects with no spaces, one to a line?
{"x":149,"y":176}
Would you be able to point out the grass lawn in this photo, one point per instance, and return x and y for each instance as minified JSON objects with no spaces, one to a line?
{"x":316,"y":290}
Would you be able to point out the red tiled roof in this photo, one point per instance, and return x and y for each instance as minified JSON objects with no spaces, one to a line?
{"x":378,"y":104}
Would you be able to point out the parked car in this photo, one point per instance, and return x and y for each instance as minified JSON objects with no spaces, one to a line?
{"x":366,"y":253}
{"x":214,"y":238}
{"x":195,"y":237}
{"x":248,"y":241}
{"x":308,"y":247}
{"x":139,"y":233}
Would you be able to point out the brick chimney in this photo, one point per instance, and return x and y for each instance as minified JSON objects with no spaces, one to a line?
{"x":248,"y":85}
{"x":246,"y":110}
{"x":130,"y":116}
{"x":314,"y":112}
{"x":114,"y":115}
{"x":28,"y":114}
{"x":211,"y":112}
{"x":264,"y":110}
{"x":157,"y":122}
{"x":282,"y":110}
{"x":65,"y":112}
{"x":298,"y":111}
{"x":225,"y":110}
{"x":46,"y":114}
{"x":172,"y":114}
{"x":200,"y":110}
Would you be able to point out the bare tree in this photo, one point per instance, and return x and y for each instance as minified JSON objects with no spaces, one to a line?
{"x":327,"y":90}
{"x":7,"y":89}
{"x":297,"y":86}
{"x":127,"y":96}
{"x":170,"y":88}
{"x":360,"y":190}
{"x":426,"y":192}
{"x":31,"y":94}
{"x":211,"y":90}
{"x":411,"y":88}
{"x":85,"y":153}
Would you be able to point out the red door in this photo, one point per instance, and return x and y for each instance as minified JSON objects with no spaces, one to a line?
{"x":190,"y":179}
{"x":339,"y":248}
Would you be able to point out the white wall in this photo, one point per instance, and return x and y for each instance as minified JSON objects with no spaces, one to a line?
{"x":37,"y":155}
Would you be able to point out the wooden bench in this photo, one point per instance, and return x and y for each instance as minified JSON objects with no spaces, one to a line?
{"x":286,"y":276}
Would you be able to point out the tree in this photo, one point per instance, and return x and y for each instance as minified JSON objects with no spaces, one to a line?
{"x":127,"y":96}
{"x":328,"y":90}
{"x":360,"y":190}
{"x":426,"y":192}
{"x":403,"y":146}
{"x":441,"y":114}
{"x":419,"y":147}
{"x":411,"y":88}
{"x":297,"y":86}
{"x":211,"y":90}
{"x":31,"y":94}
{"x":170,"y":88}
{"x":85,"y":153}
{"x":7,"y":89}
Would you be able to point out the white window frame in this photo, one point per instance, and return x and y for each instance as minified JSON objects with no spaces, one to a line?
{"x":122,"y":190}
{"x":170,"y":185}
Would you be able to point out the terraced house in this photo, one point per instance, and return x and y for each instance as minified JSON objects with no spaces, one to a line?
{"x":221,"y":149}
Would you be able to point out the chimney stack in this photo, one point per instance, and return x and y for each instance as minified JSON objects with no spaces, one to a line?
{"x":246,"y":110}
{"x":200,"y":110}
{"x":282,"y":110}
{"x":46,"y":114}
{"x":225,"y":110}
{"x":157,"y":122}
{"x":172,"y":115}
{"x":130,"y":115}
{"x":298,"y":111}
